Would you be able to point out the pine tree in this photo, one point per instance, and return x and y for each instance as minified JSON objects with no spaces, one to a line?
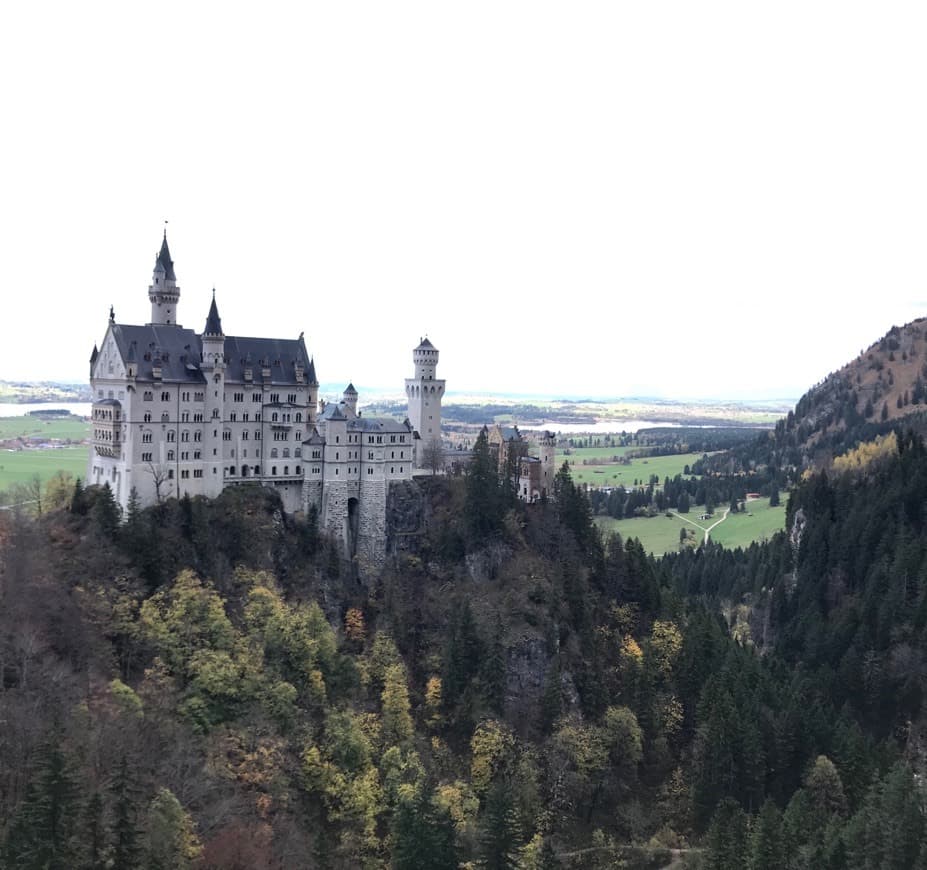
{"x":124,"y":828}
{"x":727,"y":838}
{"x":423,"y":835}
{"x":483,"y":506}
{"x":41,"y":835}
{"x":767,"y":851}
{"x":499,"y":830}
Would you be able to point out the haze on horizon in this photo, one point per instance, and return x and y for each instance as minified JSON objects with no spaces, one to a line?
{"x":680,"y":200}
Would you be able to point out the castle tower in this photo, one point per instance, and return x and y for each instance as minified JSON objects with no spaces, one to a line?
{"x":213,"y":368}
{"x":547,"y":448}
{"x":349,"y":398}
{"x":424,"y":393}
{"x":164,"y":293}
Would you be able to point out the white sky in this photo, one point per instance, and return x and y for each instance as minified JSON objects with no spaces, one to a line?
{"x":683,"y":199}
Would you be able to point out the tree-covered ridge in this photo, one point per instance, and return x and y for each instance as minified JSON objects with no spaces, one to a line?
{"x":206,"y":685}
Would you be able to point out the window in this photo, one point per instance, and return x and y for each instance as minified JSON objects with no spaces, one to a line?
{"x":370,"y":454}
{"x":257,"y":434}
{"x":185,"y":473}
{"x":147,"y":396}
{"x":147,"y":417}
{"x":255,"y":397}
{"x":198,"y":397}
{"x":233,"y":417}
{"x":273,"y":453}
{"x":286,"y":453}
{"x":273,"y":470}
{"x":369,"y":471}
{"x":257,"y":417}
{"x":244,"y":435}
{"x":185,"y":397}
{"x":146,"y":457}
{"x":299,"y":418}
{"x":238,"y":397}
{"x":185,"y":456}
{"x":146,"y":437}
{"x":274,"y":398}
{"x":197,"y":418}
{"x":298,"y":452}
{"x":171,"y":435}
{"x":244,"y":417}
{"x":185,"y":435}
{"x":273,"y":417}
{"x":291,"y":398}
{"x":165,"y":396}
{"x":215,"y":413}
{"x":402,"y":439}
{"x":226,"y":435}
{"x":197,"y":454}
{"x":198,"y":435}
{"x":299,"y":436}
{"x":165,"y":418}
{"x":197,"y":472}
{"x":392,"y":439}
{"x":286,"y":469}
{"x":170,"y":474}
{"x":170,"y":455}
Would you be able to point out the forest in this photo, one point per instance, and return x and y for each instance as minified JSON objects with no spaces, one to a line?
{"x":207,"y":684}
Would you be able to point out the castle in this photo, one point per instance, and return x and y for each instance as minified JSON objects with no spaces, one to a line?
{"x":180,"y":413}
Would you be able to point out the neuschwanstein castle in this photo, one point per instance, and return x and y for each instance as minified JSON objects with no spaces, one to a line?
{"x":177,"y":412}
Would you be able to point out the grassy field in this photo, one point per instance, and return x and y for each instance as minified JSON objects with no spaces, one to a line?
{"x":660,"y":534}
{"x":617,"y":475}
{"x":29,"y":426}
{"x":18,"y":466}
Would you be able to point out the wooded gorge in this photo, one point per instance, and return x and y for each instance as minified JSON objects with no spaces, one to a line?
{"x":208,"y":685}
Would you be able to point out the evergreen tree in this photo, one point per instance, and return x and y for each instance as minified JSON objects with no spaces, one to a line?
{"x":499,"y":829}
{"x":767,"y":847}
{"x":41,"y":835}
{"x":483,"y":506}
{"x":423,"y":835}
{"x":124,"y":828}
{"x":727,"y":838}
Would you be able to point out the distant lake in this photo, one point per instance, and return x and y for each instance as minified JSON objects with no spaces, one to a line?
{"x":602,"y":427}
{"x":82,"y":409}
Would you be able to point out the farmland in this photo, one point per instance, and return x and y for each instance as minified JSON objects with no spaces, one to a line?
{"x":19,"y":466}
{"x":600,"y":472}
{"x":660,"y":534}
{"x":30,"y":426}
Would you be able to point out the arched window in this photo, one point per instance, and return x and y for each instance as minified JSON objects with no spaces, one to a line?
{"x":286,"y":469}
{"x":286,"y":452}
{"x":273,"y":452}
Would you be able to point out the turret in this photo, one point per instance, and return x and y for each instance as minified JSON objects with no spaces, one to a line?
{"x":425,"y":358}
{"x":349,"y":398}
{"x":213,"y":368}
{"x":164,"y":294}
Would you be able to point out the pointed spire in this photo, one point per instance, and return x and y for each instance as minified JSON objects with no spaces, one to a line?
{"x":213,"y":322}
{"x":164,"y":263}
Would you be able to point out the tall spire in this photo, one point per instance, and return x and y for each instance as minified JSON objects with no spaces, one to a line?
{"x":213,"y":321}
{"x":164,"y":294}
{"x":164,"y":262}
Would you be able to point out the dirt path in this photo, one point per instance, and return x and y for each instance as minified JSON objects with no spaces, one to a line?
{"x":705,"y":529}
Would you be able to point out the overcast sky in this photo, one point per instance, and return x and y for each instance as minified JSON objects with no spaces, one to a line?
{"x":681,"y":199}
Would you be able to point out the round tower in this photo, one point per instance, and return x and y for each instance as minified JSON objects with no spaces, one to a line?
{"x":547,"y":448}
{"x":424,"y":393}
{"x":164,"y":294}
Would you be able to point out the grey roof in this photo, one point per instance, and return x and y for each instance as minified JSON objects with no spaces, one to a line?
{"x":180,"y":351}
{"x":333,"y":412}
{"x":178,"y":348}
{"x":349,"y":390}
{"x":379,"y":424}
{"x":164,"y":262}
{"x":425,"y":344}
{"x":213,"y":321}
{"x":510,"y":433}
{"x":314,"y":438}
{"x":280,"y":355}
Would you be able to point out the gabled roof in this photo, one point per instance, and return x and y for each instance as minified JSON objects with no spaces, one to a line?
{"x":425,"y":344}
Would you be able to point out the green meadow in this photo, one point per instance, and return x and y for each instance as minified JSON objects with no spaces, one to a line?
{"x":72,"y":428}
{"x":613,"y":474}
{"x":20,"y":466}
{"x":660,"y":534}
